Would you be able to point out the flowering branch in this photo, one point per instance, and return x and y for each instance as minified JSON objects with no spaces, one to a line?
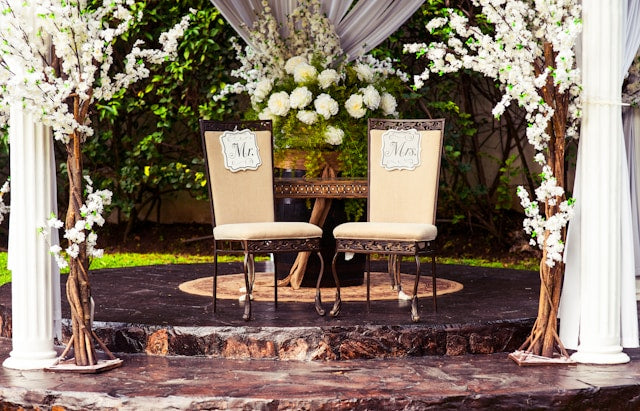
{"x":83,"y":232}
{"x":4,"y":208}
{"x":530,"y":54}
{"x":55,"y":62}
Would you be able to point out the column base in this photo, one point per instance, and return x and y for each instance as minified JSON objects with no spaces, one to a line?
{"x":603,"y":355}
{"x":34,"y":362}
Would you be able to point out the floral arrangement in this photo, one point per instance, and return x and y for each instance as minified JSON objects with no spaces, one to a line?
{"x":317,"y":100}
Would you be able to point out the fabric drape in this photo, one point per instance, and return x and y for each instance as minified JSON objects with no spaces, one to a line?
{"x":361,"y":24}
{"x":631,"y":119}
{"x":571,"y":299}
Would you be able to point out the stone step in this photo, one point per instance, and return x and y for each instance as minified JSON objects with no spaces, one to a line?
{"x":314,"y":343}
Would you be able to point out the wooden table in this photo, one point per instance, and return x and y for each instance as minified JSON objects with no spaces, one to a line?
{"x":321,"y":188}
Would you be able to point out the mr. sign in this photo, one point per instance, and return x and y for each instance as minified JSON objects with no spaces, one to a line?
{"x":240,"y":150}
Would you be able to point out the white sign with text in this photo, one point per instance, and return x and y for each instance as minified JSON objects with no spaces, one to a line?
{"x":401,"y":149}
{"x":240,"y":150}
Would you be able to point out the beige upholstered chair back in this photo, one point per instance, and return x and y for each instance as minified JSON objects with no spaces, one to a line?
{"x":403,"y":195}
{"x":244,"y":196}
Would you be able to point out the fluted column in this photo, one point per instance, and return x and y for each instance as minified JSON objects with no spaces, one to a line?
{"x":35,"y":285}
{"x":35,"y":278}
{"x":601,"y":188}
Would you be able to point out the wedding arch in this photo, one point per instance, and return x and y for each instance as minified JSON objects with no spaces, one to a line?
{"x":598,"y":311}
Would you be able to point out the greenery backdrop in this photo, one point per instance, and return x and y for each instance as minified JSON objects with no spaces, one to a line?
{"x":148,"y":143}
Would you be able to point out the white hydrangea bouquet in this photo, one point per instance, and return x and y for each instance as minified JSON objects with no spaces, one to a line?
{"x":316,"y":99}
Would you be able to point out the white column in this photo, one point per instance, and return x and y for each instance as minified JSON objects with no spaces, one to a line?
{"x":601,"y":185}
{"x":35,"y":286}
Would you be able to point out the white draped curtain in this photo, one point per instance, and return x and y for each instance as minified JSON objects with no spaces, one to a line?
{"x":631,"y":124}
{"x":570,"y":314}
{"x":361,"y":24}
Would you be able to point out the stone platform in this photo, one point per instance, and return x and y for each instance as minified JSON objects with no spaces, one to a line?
{"x":141,"y":310}
{"x":179,"y":355}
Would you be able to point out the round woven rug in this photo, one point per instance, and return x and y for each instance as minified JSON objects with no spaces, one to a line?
{"x":232,"y":286}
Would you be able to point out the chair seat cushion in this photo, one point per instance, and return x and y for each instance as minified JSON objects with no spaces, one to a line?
{"x":386,"y":231}
{"x":266,"y":231}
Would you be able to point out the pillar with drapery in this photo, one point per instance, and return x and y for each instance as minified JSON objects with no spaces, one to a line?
{"x":361,"y":25}
{"x":598,"y":312}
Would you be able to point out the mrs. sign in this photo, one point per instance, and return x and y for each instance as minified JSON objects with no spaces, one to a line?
{"x":401,"y":149}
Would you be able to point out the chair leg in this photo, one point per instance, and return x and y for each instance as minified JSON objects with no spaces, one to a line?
{"x":391,"y":265}
{"x":318,"y":304}
{"x":337,"y":306}
{"x":402,"y":296}
{"x":215,"y":278}
{"x":368,"y":269}
{"x":434,"y":285}
{"x":396,"y":273}
{"x":275,"y":287}
{"x":248,"y":287}
{"x":414,"y":301}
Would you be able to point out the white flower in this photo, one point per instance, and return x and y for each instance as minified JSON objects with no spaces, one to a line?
{"x":304,"y":73}
{"x":370,"y":97}
{"x":279,"y":103}
{"x":60,"y":261}
{"x":328,"y":77}
{"x":82,"y":38}
{"x":266,"y":114}
{"x":307,"y":116}
{"x":333,"y":135}
{"x":512,"y":55}
{"x":364,"y":72}
{"x":263,"y":88}
{"x":294,"y":62}
{"x":75,"y":235}
{"x":388,"y":104}
{"x":326,"y":106}
{"x":73,"y":250}
{"x":355,"y":106}
{"x":300,"y":97}
{"x":53,"y":222}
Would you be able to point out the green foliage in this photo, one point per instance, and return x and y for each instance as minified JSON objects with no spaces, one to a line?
{"x":147,"y":141}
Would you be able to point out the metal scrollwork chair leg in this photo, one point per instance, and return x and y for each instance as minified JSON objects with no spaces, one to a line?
{"x":248,"y":287}
{"x":434,"y":285}
{"x":414,"y":301}
{"x":337,"y":306}
{"x":215,"y":279}
{"x":319,"y":308}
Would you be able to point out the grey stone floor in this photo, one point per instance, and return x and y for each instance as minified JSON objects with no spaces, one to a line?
{"x":462,"y":382}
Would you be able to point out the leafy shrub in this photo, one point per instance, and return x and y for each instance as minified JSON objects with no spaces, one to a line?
{"x":148,"y":141}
